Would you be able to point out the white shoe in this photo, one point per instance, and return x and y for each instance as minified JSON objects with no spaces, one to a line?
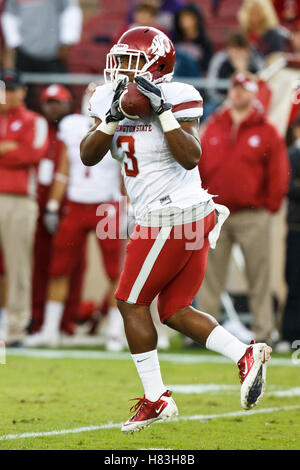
{"x":42,"y":339}
{"x":147,"y":412}
{"x":163,"y":342}
{"x":252,"y":371}
{"x":283,"y":347}
{"x":114,"y":344}
{"x":239,"y":330}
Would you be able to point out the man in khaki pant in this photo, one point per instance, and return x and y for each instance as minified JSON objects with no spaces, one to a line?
{"x":245,"y":163}
{"x":23,"y":141}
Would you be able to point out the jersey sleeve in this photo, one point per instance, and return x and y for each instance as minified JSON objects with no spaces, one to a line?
{"x":186,"y":100}
{"x":100,"y":101}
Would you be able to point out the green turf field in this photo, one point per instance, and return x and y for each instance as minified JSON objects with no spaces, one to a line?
{"x":86,"y":398}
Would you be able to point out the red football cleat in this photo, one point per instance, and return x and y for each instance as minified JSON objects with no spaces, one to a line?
{"x":253,"y":368}
{"x":150,"y":411}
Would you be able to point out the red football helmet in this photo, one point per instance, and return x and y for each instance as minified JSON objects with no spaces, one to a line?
{"x":147,"y":42}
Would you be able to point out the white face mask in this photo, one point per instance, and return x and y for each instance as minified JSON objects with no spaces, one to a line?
{"x":114,"y":70}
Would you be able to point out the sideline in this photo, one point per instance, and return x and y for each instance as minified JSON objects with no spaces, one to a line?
{"x":176,"y":358}
{"x":102,"y":427}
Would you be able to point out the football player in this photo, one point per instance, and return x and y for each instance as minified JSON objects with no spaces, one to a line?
{"x":56,"y":103}
{"x":176,"y":217}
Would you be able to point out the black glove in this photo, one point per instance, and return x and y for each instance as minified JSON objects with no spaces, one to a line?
{"x":51,"y":221}
{"x":154,"y":94}
{"x":115,"y":114}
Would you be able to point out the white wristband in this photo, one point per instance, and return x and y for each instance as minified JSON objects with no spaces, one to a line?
{"x":168,"y":121}
{"x":61,"y":177}
{"x":109,"y":128}
{"x":52,"y":205}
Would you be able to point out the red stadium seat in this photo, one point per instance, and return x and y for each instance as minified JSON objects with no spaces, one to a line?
{"x":103,"y":25}
{"x":88,"y":58}
{"x":117,"y":6}
{"x":219,"y":26}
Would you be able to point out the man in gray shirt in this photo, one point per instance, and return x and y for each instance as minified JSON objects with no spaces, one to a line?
{"x":41,"y":32}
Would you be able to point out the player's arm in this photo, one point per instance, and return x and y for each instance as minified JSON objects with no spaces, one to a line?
{"x":183,"y":138}
{"x":95,"y":145}
{"x":57,"y":192}
{"x":61,"y":177}
{"x":184,"y":144}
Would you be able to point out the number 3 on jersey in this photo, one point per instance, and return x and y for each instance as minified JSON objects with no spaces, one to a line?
{"x":127,"y":145}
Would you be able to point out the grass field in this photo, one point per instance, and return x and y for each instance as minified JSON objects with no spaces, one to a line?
{"x":52,"y":401}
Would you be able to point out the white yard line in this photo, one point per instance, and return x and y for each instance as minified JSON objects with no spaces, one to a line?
{"x":199,"y":389}
{"x":291,"y":392}
{"x":231,"y":414}
{"x":125,"y":356}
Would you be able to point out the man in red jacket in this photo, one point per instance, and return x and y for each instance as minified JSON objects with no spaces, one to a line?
{"x":23,"y":141}
{"x":245,"y":163}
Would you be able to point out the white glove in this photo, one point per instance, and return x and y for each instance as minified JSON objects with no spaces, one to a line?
{"x":51,"y":221}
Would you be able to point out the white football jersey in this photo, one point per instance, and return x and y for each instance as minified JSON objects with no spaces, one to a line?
{"x":152,"y":177}
{"x":93,"y":184}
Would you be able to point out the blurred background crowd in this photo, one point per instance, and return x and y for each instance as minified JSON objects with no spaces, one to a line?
{"x":244,"y":58}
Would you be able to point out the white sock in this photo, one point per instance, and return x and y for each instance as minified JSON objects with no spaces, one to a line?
{"x":149,"y":371}
{"x":223,"y":342}
{"x":53,"y":315}
{"x":3,"y":324}
{"x":115,"y":325}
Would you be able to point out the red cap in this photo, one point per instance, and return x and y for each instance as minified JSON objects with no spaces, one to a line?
{"x":56,"y":92}
{"x":245,"y":81}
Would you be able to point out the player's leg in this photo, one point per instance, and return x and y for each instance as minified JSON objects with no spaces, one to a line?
{"x":174,"y":305}
{"x":163,"y":332}
{"x":112,"y":253}
{"x":49,"y":334}
{"x":58,"y":291}
{"x":115,"y":330}
{"x":139,"y":284}
{"x":139,"y":328}
{"x":157,"y":403}
{"x":142,"y":341}
{"x":40,"y":278}
{"x":149,"y":264}
{"x":68,"y":245}
{"x":251,"y":360}
{"x":72,"y":303}
{"x":203,"y":328}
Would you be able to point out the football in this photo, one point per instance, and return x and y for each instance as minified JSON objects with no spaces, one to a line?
{"x":133,"y":104}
